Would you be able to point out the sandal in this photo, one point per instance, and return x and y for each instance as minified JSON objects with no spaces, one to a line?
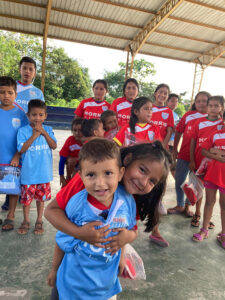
{"x":219,"y":239}
{"x":8,"y":225}
{"x":38,"y":229}
{"x":211,"y":225}
{"x":24,"y":228}
{"x":195,"y":220}
{"x":197,"y":237}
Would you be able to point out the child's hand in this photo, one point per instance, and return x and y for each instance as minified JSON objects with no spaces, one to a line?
{"x":62,"y":180}
{"x":36,"y":133}
{"x":192,"y":166}
{"x":51,"y":279}
{"x":15,"y":160}
{"x":122,"y":264}
{"x":88,"y":233}
{"x":40,"y":129}
{"x":118,"y":241}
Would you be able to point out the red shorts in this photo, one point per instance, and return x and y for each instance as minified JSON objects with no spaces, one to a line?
{"x":212,"y":186}
{"x":40,"y":192}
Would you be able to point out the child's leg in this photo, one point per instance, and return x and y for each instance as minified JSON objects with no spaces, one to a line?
{"x":57,"y":258}
{"x":195,"y":222}
{"x":70,"y":166}
{"x":8,"y":222}
{"x":39,"y":223}
{"x":221,"y":237}
{"x":156,"y":237}
{"x":25,"y":225}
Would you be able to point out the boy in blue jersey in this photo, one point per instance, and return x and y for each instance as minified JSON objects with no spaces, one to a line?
{"x":35,"y":143}
{"x":11,"y":119}
{"x":86,"y":271}
{"x":26,"y":91}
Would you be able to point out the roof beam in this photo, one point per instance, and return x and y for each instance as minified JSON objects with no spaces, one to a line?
{"x":161,"y":15}
{"x":206,"y":5}
{"x":47,"y":19}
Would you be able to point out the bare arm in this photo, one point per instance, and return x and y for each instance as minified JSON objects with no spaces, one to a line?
{"x":52,"y":144}
{"x":57,"y":258}
{"x":176,"y":143}
{"x":192,"y":154}
{"x":15,"y":160}
{"x":213,"y":155}
{"x":169,"y":132}
{"x":29,"y":142}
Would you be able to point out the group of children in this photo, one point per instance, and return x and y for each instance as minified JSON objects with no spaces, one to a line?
{"x":116,"y":168}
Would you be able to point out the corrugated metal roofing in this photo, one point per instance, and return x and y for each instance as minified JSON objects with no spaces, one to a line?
{"x":190,"y":31}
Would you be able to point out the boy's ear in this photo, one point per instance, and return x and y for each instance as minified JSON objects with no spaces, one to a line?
{"x":122,"y":170}
{"x":127,"y":159}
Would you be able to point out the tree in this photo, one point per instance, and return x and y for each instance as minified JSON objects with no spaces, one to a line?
{"x":143,"y":71}
{"x":65,"y":79}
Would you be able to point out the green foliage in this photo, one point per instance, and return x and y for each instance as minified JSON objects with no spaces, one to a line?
{"x":65,"y":79}
{"x":180,"y":110}
{"x":142,"y":71}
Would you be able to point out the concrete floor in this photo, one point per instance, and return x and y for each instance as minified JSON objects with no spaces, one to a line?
{"x":183,"y":271}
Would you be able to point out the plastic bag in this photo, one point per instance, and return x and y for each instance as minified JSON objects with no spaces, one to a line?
{"x":134,"y":268}
{"x":193,"y":189}
{"x":203,"y":167}
{"x":9,"y":180}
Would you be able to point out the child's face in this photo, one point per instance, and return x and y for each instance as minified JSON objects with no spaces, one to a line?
{"x":7,"y":96}
{"x":77,"y":133}
{"x":99,"y":91}
{"x":111,"y":123}
{"x":101,"y":179}
{"x":131,"y":91}
{"x":100,"y":131}
{"x":201,"y":103}
{"x":27,"y":72}
{"x":37,"y":116}
{"x":144,"y":114}
{"x":141,"y":176}
{"x":214,"y":109}
{"x":161,"y":96}
{"x":172,"y":103}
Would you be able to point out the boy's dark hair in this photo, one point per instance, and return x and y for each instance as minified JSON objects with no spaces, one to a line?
{"x":130,"y":80}
{"x":196,"y":96}
{"x":223,"y":115}
{"x":171,"y":96}
{"x":88,"y":127}
{"x":106,"y":114}
{"x":102,"y":81}
{"x":28,"y":59}
{"x":162,"y":85}
{"x":77,"y":121}
{"x":220,"y":99}
{"x":36,"y":103}
{"x":136,"y":105}
{"x":98,"y":150}
{"x":8,"y":81}
{"x":148,"y":204}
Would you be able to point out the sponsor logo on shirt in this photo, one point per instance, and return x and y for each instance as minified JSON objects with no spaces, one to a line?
{"x":16,"y":123}
{"x":104,"y":108}
{"x":125,"y":117}
{"x":20,"y":101}
{"x":32,"y":93}
{"x":91,"y":114}
{"x":74,"y":147}
{"x":160,"y":123}
{"x":165,"y":115}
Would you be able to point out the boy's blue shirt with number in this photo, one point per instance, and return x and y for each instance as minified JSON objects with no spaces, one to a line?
{"x":37,"y":160}
{"x":87,"y":272}
{"x":25,"y":93}
{"x":10,"y":122}
{"x":176,"y":120}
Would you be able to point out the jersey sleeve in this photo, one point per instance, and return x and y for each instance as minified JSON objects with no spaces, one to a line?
{"x":208,"y":143}
{"x":65,"y":148}
{"x":42,"y":96}
{"x":120,"y":136}
{"x":194,"y":131}
{"x":21,"y":139}
{"x":113,"y":106}
{"x":181,"y":125}
{"x":79,"y":111}
{"x":51,"y":133}
{"x":73,"y":187}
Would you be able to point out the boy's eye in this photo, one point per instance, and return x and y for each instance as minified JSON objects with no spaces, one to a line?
{"x":91,"y":174}
{"x":108,"y":172}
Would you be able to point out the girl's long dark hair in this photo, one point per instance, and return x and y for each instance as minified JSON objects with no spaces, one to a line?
{"x":137,"y":104}
{"x":148,"y":204}
{"x":196,"y":96}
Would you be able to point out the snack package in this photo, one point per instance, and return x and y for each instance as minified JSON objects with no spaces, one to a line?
{"x":134,"y":268}
{"x":193,"y":189}
{"x":9,"y":180}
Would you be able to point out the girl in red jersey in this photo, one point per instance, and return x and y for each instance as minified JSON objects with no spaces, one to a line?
{"x":122,"y":106}
{"x":184,"y":127}
{"x":162,"y":116}
{"x":139,"y":130}
{"x":202,"y":129}
{"x":92,"y":108}
{"x":214,"y":180}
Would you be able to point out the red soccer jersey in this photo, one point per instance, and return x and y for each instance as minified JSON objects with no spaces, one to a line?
{"x":71,"y":147}
{"x":216,"y":170}
{"x":185,"y":127}
{"x":163,"y":118}
{"x":122,"y":108}
{"x":90,"y":109}
{"x":201,"y":130}
{"x":143,"y":133}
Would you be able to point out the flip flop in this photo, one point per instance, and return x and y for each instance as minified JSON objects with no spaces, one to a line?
{"x":159,"y":241}
{"x":219,"y":239}
{"x":38,"y":229}
{"x":8,"y":222}
{"x":197,"y":237}
{"x":24,"y":228}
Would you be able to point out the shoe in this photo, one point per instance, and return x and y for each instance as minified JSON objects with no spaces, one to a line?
{"x":162,"y":209}
{"x":159,"y":241}
{"x":197,"y":237}
{"x":219,"y":239}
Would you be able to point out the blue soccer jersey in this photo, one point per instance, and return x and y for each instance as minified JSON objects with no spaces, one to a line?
{"x":25,"y":93}
{"x":10,"y":122}
{"x":37,"y":160}
{"x":86,"y":271}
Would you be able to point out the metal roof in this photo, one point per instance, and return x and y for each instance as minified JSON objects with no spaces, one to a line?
{"x":190,"y":30}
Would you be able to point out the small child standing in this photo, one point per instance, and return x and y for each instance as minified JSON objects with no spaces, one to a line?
{"x":70,"y":151}
{"x":11,"y":119}
{"x":110,"y":123}
{"x":35,"y":143}
{"x":88,"y":272}
{"x":139,"y":129}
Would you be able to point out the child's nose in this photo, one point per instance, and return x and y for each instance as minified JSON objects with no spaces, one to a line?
{"x":100,"y":181}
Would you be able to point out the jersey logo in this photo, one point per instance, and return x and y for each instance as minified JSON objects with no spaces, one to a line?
{"x":104,"y":108}
{"x":219,"y":127}
{"x":151,"y":135}
{"x":165,"y":116}
{"x":32,"y":93}
{"x":16,"y":123}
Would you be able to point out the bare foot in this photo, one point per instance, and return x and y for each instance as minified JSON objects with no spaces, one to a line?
{"x":175,"y":210}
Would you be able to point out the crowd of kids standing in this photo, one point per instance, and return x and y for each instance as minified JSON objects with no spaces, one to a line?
{"x":117,"y":161}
